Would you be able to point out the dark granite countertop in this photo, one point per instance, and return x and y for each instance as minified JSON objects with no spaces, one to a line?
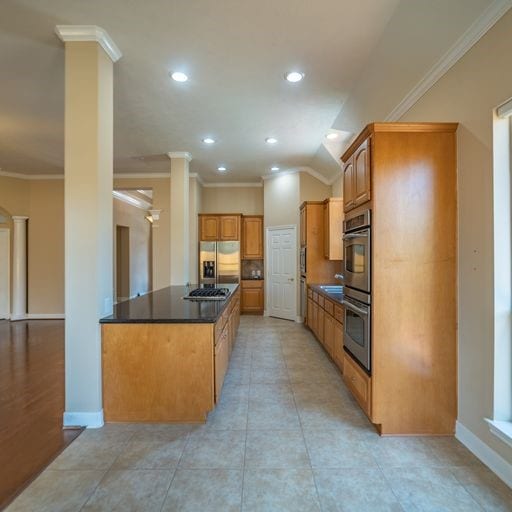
{"x":168,"y":306}
{"x":335,"y":297}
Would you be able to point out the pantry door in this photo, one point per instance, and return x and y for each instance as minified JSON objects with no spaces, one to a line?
{"x":282,"y":272}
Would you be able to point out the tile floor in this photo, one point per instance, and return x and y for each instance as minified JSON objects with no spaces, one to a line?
{"x":286,"y":436}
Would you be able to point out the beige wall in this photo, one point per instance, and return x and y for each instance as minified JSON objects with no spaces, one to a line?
{"x":245,"y":200}
{"x":312,"y":189}
{"x":467,"y":93}
{"x":161,"y":230}
{"x":337,"y":187}
{"x":140,"y":246}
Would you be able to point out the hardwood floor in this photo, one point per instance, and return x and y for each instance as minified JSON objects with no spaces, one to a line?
{"x":31,"y":401}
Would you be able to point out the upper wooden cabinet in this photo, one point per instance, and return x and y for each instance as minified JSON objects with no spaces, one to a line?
{"x":229,"y":227}
{"x":209,"y":227}
{"x":252,"y":237}
{"x":219,"y":227}
{"x":356,"y":177}
{"x":333,"y":228}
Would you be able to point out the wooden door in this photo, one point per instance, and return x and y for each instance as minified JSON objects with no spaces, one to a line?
{"x":282,"y":271}
{"x":314,"y":325}
{"x":310,"y":313}
{"x":338,"y":344}
{"x":320,"y":325}
{"x":229,"y":227}
{"x":329,"y":334}
{"x":348,"y":186}
{"x":252,"y":238}
{"x":362,"y":174}
{"x":303,"y":226}
{"x":221,"y":361}
{"x":209,"y":228}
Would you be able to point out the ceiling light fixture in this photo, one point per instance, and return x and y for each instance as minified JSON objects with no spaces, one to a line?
{"x":332,"y":136}
{"x":271,"y":140}
{"x":179,"y":76}
{"x":221,"y":169}
{"x":294,"y":76}
{"x":274,"y":168}
{"x":209,"y":140}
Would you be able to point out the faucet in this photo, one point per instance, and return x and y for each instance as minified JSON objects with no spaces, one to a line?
{"x":339,"y":276}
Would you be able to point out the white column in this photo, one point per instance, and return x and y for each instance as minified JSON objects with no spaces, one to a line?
{"x":88,"y":204}
{"x":180,"y":251}
{"x":19,"y":267}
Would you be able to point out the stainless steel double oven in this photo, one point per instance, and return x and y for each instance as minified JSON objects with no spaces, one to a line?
{"x":357,"y":273}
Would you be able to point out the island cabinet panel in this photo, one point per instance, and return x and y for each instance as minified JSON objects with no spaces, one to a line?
{"x":157,"y":372}
{"x":221,"y":360}
{"x":252,"y":237}
{"x":209,"y":228}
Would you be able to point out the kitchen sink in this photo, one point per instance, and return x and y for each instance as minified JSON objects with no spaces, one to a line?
{"x":332,"y":288}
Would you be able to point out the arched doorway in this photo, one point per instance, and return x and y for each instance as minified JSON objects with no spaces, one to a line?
{"x":5,"y":264}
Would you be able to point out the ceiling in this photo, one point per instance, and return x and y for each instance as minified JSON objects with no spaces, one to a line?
{"x":235,"y":53}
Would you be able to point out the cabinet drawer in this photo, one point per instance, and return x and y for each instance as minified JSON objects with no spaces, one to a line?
{"x":310,"y":293}
{"x":252,"y":283}
{"x":359,"y":383}
{"x":339,"y":314}
{"x":329,"y":307}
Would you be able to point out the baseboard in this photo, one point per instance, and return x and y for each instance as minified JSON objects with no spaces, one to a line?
{"x":488,"y":456}
{"x":265,"y":313}
{"x":16,"y":318}
{"x":299,"y":319}
{"x":84,"y":419}
{"x":45,"y":316}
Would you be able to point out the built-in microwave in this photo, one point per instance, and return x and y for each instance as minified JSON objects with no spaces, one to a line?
{"x":356,"y":250}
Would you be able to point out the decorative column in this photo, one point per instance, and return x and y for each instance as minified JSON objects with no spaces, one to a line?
{"x":180,"y":251}
{"x":88,"y":174}
{"x":19,"y":267}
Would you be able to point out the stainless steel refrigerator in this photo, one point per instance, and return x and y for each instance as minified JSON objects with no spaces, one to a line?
{"x":219,"y":262}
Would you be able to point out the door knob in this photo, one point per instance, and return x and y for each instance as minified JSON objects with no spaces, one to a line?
{"x":291,"y":279}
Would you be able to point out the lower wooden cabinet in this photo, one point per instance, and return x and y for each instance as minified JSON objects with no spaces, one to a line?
{"x":359,"y":383}
{"x":328,"y":340}
{"x":252,"y":297}
{"x":338,"y":352}
{"x":221,"y":360}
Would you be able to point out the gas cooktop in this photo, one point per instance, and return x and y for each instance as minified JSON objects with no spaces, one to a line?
{"x":208,"y":294}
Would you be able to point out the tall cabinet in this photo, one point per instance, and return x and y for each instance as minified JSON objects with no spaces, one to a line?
{"x":405,"y":173}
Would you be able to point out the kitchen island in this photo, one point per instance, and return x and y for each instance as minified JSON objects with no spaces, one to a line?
{"x":164,"y":357}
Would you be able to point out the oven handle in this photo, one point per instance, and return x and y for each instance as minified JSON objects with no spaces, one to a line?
{"x":354,"y":235}
{"x":351,"y":306}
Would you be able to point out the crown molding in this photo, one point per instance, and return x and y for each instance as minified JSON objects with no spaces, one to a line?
{"x":287,"y":172}
{"x":180,"y":154}
{"x":68,"y":33}
{"x":315,"y":174}
{"x":197,"y":177}
{"x":471,"y":36}
{"x":233,"y":185}
{"x":141,"y":175}
{"x":20,"y":176}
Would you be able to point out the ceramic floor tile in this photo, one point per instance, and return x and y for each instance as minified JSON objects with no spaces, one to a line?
{"x":276,"y":449}
{"x":330,"y":449}
{"x":88,"y":454}
{"x":450,"y":451}
{"x":429,"y":490}
{"x":355,"y":490}
{"x":279,"y":490}
{"x":130,"y":491}
{"x":485,"y":487}
{"x":327,"y":416}
{"x":58,"y":491}
{"x":223,"y":449}
{"x":116,"y":432}
{"x":265,"y":375}
{"x":198,"y":490}
{"x":229,"y":415}
{"x":272,"y":416}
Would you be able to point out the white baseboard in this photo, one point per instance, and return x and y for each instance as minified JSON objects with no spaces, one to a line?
{"x":45,"y":316}
{"x":488,"y":456}
{"x":299,"y":319}
{"x":84,"y":419}
{"x":16,"y":318}
{"x":265,"y":313}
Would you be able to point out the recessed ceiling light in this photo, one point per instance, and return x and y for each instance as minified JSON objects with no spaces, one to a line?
{"x":332,"y":136}
{"x":270,"y":140}
{"x":294,"y":76}
{"x":274,"y":168}
{"x":221,"y":169}
{"x":179,"y":76}
{"x":209,"y":140}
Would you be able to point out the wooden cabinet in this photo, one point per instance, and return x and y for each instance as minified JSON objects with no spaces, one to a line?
{"x":320,"y":324}
{"x":329,"y":333}
{"x":219,"y":227}
{"x":252,"y":237}
{"x":252,"y":297}
{"x":310,"y":321}
{"x":338,"y":352}
{"x":357,"y":177}
{"x":221,"y":360}
{"x":229,"y":227}
{"x":359,"y":383}
{"x":303,"y":225}
{"x":209,"y":228}
{"x":333,"y":228}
